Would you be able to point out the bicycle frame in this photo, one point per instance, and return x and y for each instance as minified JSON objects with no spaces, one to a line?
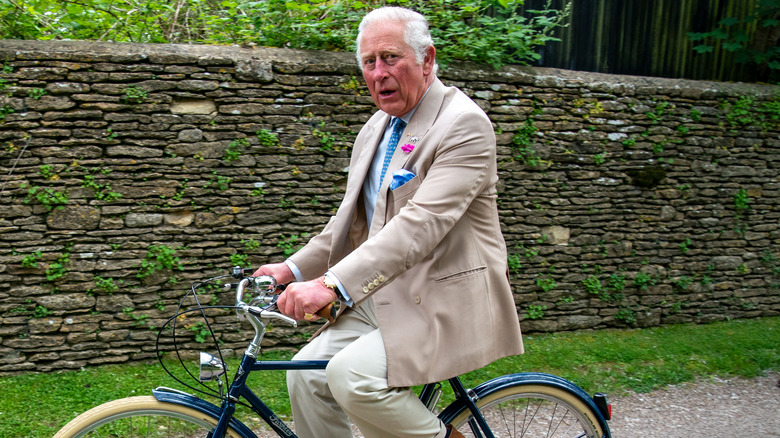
{"x":239,"y":389}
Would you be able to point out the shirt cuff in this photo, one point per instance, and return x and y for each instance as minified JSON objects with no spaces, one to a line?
{"x":294,"y":268}
{"x":345,"y":298}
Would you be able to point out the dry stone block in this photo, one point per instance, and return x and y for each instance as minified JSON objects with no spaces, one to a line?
{"x":77,"y":217}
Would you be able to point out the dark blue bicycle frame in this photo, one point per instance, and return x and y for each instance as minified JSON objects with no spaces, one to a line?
{"x":239,"y":389}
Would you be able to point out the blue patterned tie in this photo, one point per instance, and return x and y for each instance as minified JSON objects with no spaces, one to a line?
{"x":398,"y":128}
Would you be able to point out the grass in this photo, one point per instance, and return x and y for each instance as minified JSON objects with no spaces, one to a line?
{"x":612,"y":361}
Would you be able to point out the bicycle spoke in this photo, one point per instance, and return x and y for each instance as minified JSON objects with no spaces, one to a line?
{"x":532,"y":415}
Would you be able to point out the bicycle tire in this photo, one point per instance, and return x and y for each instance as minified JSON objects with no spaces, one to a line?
{"x":142,"y":416}
{"x":541,"y":410}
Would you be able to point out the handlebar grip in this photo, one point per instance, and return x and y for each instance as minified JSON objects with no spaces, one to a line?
{"x":328,"y":312}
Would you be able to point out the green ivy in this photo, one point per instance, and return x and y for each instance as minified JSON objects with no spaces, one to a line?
{"x":106,"y":284}
{"x":103,"y":191}
{"x":291,"y":244}
{"x":233,"y":151}
{"x":536,"y":312}
{"x":57,"y":269}
{"x":158,"y":258}
{"x":267,"y":138}
{"x":31,"y":260}
{"x":49,"y":198}
{"x":135,"y":95}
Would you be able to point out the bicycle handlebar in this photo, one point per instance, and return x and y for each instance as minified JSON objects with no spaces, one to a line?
{"x":266,"y":286}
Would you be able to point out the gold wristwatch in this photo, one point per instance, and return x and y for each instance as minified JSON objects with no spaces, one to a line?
{"x":331,"y":284}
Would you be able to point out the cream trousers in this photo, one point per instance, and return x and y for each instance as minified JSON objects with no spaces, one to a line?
{"x":354,"y":386}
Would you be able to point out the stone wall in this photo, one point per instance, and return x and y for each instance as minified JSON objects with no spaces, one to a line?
{"x":130,"y":171}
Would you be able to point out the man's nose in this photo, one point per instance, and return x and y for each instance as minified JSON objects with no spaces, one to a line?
{"x":380,"y":70}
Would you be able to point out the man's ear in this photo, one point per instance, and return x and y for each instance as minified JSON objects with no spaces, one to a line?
{"x":429,"y":60}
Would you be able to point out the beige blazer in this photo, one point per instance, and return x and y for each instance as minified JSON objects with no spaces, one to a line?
{"x":434,"y":260}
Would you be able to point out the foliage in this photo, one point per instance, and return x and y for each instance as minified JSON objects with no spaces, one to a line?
{"x":523,"y":140}
{"x":41,"y":312}
{"x":741,"y":201}
{"x":267,"y":138}
{"x":31,"y":260}
{"x":57,"y":269}
{"x":593,"y":285}
{"x":536,"y":312}
{"x":219,"y":182}
{"x":106,"y":284}
{"x":238,"y":259}
{"x":134,"y":95}
{"x":200,"y":331}
{"x":250,"y":244}
{"x":746,"y":111}
{"x":643,"y":280}
{"x":158,"y":258}
{"x":233,"y":151}
{"x":547,"y":283}
{"x":484,"y":31}
{"x":487,"y":33}
{"x":49,"y":198}
{"x":291,"y":245}
{"x":514,"y":263}
{"x":103,"y":191}
{"x":733,"y":35}
{"x":627,"y":315}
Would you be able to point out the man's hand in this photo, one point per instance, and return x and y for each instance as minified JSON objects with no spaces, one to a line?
{"x":303,"y":300}
{"x":280,"y":271}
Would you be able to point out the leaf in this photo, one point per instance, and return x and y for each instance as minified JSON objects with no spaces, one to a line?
{"x":770,"y":22}
{"x":729,"y":21}
{"x":741,"y":38}
{"x":696,"y":36}
{"x":719,"y":34}
{"x":702,"y":48}
{"x":732,"y":46}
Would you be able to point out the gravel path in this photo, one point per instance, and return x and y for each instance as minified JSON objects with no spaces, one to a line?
{"x":723,"y":408}
{"x":719,"y":408}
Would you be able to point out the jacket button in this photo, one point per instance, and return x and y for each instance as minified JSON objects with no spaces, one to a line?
{"x":365,"y":290}
{"x":417,"y":299}
{"x":375,"y":282}
{"x":381,"y":278}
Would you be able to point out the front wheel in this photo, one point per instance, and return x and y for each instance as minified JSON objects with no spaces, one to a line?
{"x":531,"y":410}
{"x":141,"y":417}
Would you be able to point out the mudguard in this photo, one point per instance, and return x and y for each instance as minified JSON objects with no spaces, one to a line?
{"x":509,"y":380}
{"x":180,"y":398}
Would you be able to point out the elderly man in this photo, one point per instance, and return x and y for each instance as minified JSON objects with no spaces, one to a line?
{"x":414,"y":253}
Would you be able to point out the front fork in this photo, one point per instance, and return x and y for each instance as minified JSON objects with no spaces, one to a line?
{"x":228,"y":407}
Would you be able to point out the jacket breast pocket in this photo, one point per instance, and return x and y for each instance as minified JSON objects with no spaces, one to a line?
{"x":398,"y":198}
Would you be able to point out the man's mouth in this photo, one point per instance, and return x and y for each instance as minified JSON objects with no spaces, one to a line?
{"x":386,"y":93}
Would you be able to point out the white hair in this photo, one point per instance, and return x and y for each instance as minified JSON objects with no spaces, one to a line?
{"x":416,"y":33}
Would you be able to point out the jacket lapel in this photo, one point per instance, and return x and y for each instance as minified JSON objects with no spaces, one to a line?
{"x":354,"y":192}
{"x":418,"y":126}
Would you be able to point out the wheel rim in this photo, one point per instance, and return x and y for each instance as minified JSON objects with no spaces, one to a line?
{"x":531,"y":414}
{"x":148,"y":423}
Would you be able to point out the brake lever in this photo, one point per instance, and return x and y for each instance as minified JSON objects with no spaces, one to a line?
{"x":270,"y":311}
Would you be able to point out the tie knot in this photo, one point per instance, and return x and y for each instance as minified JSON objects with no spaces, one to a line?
{"x":398,"y":124}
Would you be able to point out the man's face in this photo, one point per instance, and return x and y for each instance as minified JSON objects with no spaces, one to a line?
{"x":394,"y":78}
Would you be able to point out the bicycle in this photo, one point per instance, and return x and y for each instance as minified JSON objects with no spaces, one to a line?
{"x":513,"y":405}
